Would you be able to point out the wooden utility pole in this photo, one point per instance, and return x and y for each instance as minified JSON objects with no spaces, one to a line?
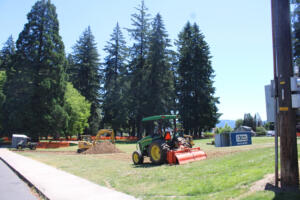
{"x":286,"y":117}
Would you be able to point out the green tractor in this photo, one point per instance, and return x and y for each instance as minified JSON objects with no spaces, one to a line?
{"x":165,"y":146}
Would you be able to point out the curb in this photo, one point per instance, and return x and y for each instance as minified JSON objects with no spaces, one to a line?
{"x":24,"y":179}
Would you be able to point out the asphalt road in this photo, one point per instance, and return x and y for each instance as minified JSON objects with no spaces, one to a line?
{"x":11,"y":186}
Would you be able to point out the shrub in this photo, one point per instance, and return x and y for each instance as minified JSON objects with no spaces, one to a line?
{"x":226,"y":129}
{"x":208,"y":135}
{"x":261,"y":131}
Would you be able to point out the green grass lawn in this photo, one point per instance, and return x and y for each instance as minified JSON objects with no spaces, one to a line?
{"x":225,"y":176}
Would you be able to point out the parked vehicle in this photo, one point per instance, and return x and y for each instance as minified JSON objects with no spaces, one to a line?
{"x":270,"y":133}
{"x":20,"y":141}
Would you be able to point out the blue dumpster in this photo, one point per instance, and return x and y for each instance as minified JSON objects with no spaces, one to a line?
{"x":240,"y":138}
{"x":222,"y":140}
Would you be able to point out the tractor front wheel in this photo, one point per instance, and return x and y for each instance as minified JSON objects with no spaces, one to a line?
{"x":157,"y":153}
{"x":137,"y":158}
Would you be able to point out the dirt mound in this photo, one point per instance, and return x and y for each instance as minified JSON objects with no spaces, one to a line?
{"x":103,"y":147}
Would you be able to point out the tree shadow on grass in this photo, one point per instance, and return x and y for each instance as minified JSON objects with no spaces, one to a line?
{"x":5,"y":146}
{"x":145,"y":165}
{"x":283,"y":194}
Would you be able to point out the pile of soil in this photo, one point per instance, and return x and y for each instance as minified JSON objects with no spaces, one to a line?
{"x":103,"y":147}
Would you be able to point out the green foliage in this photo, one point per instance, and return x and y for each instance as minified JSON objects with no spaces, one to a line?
{"x":146,"y":79}
{"x":296,"y":32}
{"x":194,"y":85}
{"x":208,"y":134}
{"x":261,"y":131}
{"x":36,"y":81}
{"x":269,"y":126}
{"x":2,"y":96}
{"x":225,"y":129}
{"x":78,"y":109}
{"x":158,"y":75}
{"x":137,"y":67}
{"x":252,"y":122}
{"x":85,"y":76}
{"x":2,"y":81}
{"x":6,"y":57}
{"x":257,"y":121}
{"x":248,"y":120}
{"x":115,"y":101}
{"x":6,"y":53}
{"x":238,"y":123}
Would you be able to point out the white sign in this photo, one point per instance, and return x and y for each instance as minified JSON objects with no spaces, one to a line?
{"x":241,"y":138}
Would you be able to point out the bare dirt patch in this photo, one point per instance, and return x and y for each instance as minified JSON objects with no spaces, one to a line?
{"x":126,"y":157}
{"x":102,"y":148}
{"x":260,"y":185}
{"x":49,"y":152}
{"x":107,"y":150}
{"x":221,"y":151}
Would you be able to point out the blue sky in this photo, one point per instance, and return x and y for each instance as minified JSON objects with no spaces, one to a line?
{"x":237,"y":31}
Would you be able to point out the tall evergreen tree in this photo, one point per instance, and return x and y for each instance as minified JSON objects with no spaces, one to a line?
{"x":160,"y":92}
{"x":257,"y":121}
{"x":115,"y":100}
{"x":6,"y":62}
{"x":13,"y":111}
{"x":85,"y":75}
{"x":248,"y":120}
{"x":6,"y":54}
{"x":195,"y":90}
{"x":139,"y":50}
{"x":296,"y":31}
{"x":2,"y":99}
{"x":39,"y":77}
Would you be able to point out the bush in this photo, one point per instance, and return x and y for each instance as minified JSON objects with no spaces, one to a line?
{"x":226,"y":129}
{"x":208,"y":135}
{"x":261,"y":131}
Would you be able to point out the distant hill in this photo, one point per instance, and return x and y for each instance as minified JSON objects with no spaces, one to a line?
{"x":230,"y":123}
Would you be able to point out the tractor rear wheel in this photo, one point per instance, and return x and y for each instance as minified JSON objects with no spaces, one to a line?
{"x":32,"y":147}
{"x":137,"y":158}
{"x":157,"y":152}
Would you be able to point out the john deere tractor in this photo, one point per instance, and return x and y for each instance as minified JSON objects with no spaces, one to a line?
{"x":166,"y":146}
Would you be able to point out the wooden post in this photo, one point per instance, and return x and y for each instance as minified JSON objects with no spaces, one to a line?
{"x":275,"y":92}
{"x":286,"y":118}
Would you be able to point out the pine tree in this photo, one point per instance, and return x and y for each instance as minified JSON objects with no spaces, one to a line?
{"x":195,"y":90}
{"x":160,"y":92}
{"x":13,"y":107}
{"x":139,"y":50}
{"x":248,"y":120}
{"x":7,"y":53}
{"x":257,"y":121}
{"x":115,"y":69}
{"x":296,"y":32}
{"x":6,"y":61}
{"x":39,"y":77}
{"x":85,"y":76}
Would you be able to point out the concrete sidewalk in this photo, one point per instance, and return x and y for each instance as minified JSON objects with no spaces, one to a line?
{"x":56,"y":184}
{"x":11,"y":186}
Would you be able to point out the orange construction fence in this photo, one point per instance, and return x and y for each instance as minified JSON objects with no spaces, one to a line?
{"x":6,"y":139}
{"x":46,"y":145}
{"x":60,"y":139}
{"x":129,"y":138}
